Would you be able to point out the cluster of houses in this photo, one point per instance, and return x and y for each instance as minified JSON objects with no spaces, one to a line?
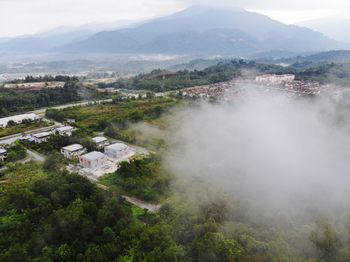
{"x":275,"y":79}
{"x":287,"y":82}
{"x":43,"y":137}
{"x":93,"y":160}
{"x":96,"y":160}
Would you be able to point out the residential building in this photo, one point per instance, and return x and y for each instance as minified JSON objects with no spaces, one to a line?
{"x":100,"y":142}
{"x":275,"y":79}
{"x":70,"y":120}
{"x":41,"y":137}
{"x":3,"y":154}
{"x":118,"y":151}
{"x":18,"y":119}
{"x":93,"y":160}
{"x":73,"y":151}
{"x":65,"y":130}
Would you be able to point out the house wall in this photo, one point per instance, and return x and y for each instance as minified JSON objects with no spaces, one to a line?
{"x":117,"y":154}
{"x":41,"y":140}
{"x":71,"y":155}
{"x":102,"y":144}
{"x":65,"y":133}
{"x":93,"y":164}
{"x":3,"y":156}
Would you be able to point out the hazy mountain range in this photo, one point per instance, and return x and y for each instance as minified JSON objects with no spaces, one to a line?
{"x":338,"y":56}
{"x":196,"y":31}
{"x":335,"y":28}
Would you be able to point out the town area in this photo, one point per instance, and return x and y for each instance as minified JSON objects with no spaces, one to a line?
{"x":104,"y":156}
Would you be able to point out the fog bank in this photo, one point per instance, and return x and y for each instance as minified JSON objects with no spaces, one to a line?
{"x":267,"y":149}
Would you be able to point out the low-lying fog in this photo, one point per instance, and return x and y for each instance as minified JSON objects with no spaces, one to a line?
{"x":271,"y":151}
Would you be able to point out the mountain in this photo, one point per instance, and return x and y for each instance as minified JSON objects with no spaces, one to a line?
{"x":47,"y":41}
{"x":35,"y":44}
{"x":206,"y":31}
{"x":337,"y":56}
{"x":332,"y":27}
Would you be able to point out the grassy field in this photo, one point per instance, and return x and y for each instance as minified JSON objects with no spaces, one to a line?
{"x":96,"y":117}
{"x":19,"y":176}
{"x":22,"y":128}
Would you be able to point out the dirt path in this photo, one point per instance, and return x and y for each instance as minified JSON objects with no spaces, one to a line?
{"x":137,"y":202}
{"x":141,"y":204}
{"x":35,"y":156}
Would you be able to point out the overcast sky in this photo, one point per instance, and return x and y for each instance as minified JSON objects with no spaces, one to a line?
{"x":19,"y":17}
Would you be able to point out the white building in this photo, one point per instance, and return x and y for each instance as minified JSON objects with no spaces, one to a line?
{"x":118,"y":151}
{"x":18,"y":119}
{"x":70,"y":120}
{"x":93,"y":160}
{"x":65,"y":130}
{"x":3,"y":154}
{"x":275,"y":79}
{"x":100,"y":142}
{"x":73,"y":151}
{"x":41,"y":137}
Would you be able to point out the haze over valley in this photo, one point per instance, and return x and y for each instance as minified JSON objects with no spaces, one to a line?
{"x":175,"y":130}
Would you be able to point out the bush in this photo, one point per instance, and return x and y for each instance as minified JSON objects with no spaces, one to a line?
{"x":16,"y":153}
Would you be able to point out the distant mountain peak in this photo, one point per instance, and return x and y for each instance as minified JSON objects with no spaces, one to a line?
{"x":205,"y":30}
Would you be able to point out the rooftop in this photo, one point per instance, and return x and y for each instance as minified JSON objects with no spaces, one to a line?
{"x":3,"y":150}
{"x":117,"y":146}
{"x":99,"y":139}
{"x":41,"y":135}
{"x":64,"y":128}
{"x":18,"y":118}
{"x":94,"y":155}
{"x":72,"y":148}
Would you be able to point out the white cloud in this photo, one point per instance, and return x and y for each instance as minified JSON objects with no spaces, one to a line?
{"x":293,"y":17}
{"x":29,"y":16}
{"x":279,"y":4}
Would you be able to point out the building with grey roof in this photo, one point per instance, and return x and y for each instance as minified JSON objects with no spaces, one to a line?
{"x":94,"y":160}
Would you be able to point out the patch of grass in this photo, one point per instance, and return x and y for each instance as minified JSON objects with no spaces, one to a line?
{"x":143,"y":178}
{"x":19,"y":175}
{"x":136,"y":211}
{"x":21,"y":128}
{"x":97,"y":117}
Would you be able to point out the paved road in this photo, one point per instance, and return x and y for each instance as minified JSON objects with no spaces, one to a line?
{"x":12,"y":138}
{"x":7,"y":140}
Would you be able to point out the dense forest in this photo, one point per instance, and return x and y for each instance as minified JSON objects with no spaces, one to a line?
{"x":45,"y":78}
{"x":12,"y":101}
{"x":162,"y":80}
{"x":50,"y":215}
{"x":55,"y":216}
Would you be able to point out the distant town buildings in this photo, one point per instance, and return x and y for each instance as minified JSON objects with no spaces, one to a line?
{"x":93,"y":160}
{"x":18,"y":119}
{"x":3,"y":154}
{"x":73,"y":151}
{"x":41,"y":137}
{"x":65,"y":130}
{"x":100,"y":142}
{"x":118,"y":151}
{"x":275,"y":79}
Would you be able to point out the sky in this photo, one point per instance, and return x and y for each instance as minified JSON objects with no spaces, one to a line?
{"x":19,"y":17}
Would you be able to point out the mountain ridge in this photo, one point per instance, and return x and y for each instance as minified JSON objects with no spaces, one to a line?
{"x":261,"y":33}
